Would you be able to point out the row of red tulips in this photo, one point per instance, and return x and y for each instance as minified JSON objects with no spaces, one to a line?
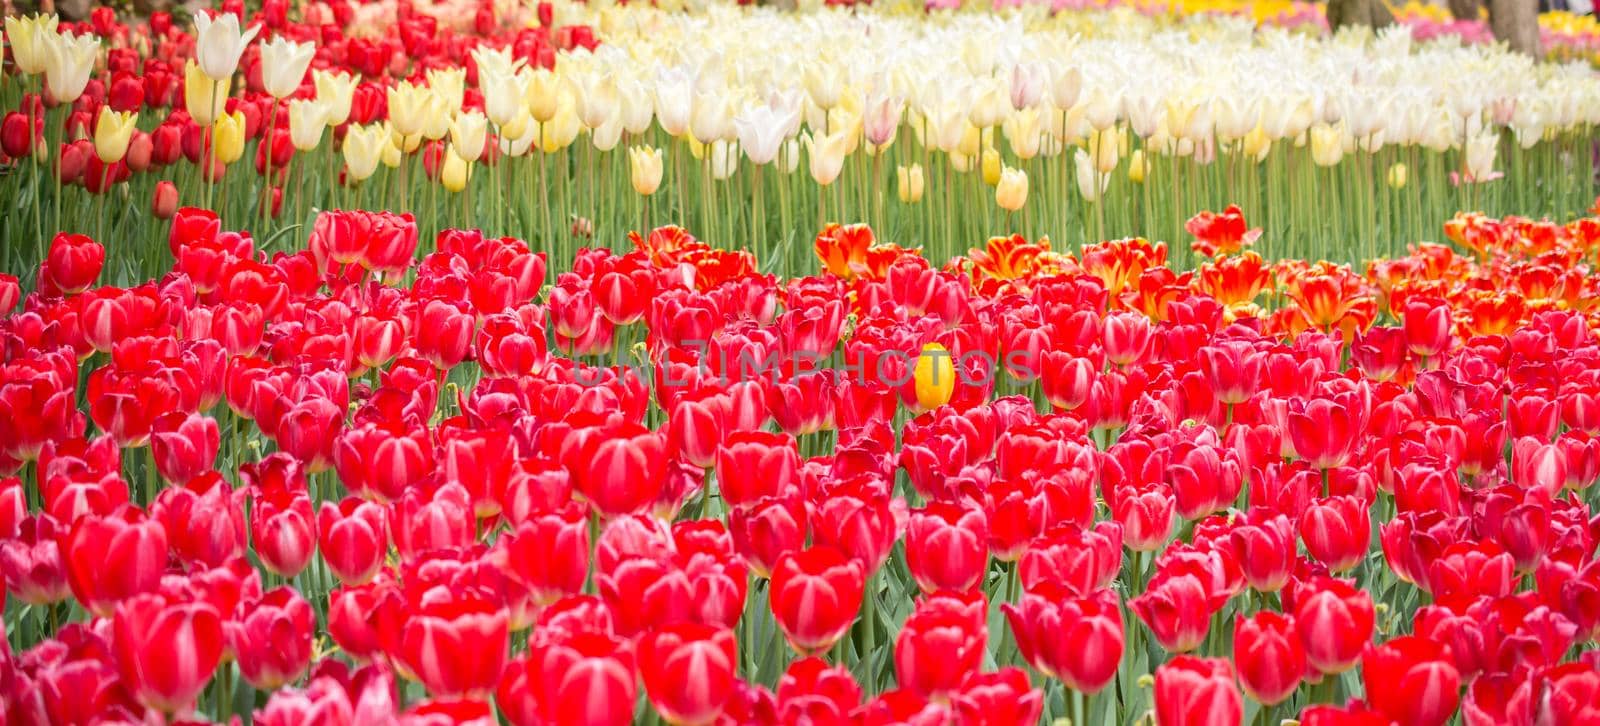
{"x":443,"y":490}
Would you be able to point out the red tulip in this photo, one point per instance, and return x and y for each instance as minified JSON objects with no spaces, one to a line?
{"x":1127,"y":337}
{"x":271,"y":638}
{"x":1500,"y":699}
{"x":184,"y":446}
{"x":379,"y":463}
{"x":812,"y":691}
{"x":1264,"y":545}
{"x":1078,"y":639}
{"x":10,"y":292}
{"x":164,"y":200}
{"x":1146,"y":516}
{"x":35,"y":571}
{"x":549,"y":554}
{"x":1572,"y":695}
{"x":204,"y":524}
{"x":283,"y":530}
{"x":1324,"y":432}
{"x":766,"y":530}
{"x":1269,"y":655}
{"x":114,"y":557}
{"x":1411,"y":680}
{"x":858,"y":519}
{"x":1003,"y":698}
{"x":947,"y":547}
{"x":941,"y":643}
{"x":444,"y":333}
{"x":1427,"y":325}
{"x":166,"y":651}
{"x":756,"y":464}
{"x":1083,"y":560}
{"x":1176,"y":608}
{"x":815,"y":594}
{"x":422,"y":521}
{"x":1192,"y":691}
{"x":588,"y":679}
{"x":1335,"y":621}
{"x":1337,"y":531}
{"x":73,"y":263}
{"x":688,"y":671}
{"x":1472,"y":568}
{"x":456,"y":647}
{"x":621,"y":469}
{"x":353,"y":539}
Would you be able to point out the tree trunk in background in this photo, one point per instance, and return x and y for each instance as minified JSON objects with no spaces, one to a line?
{"x":1465,"y":9}
{"x":1517,"y":23}
{"x":1372,"y":13}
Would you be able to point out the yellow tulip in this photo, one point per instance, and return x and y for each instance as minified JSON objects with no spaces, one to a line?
{"x":202,"y":97}
{"x":543,"y":95}
{"x":227,"y":137}
{"x":992,"y":167}
{"x":1138,"y":166}
{"x":1256,"y":144}
{"x":645,"y":167}
{"x":112,"y":132}
{"x":935,"y":376}
{"x":1397,"y":176}
{"x":911,"y":183}
{"x":1012,"y":190}
{"x":456,"y":171}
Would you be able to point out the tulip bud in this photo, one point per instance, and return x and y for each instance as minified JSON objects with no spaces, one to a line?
{"x":1012,"y":190}
{"x":911,"y":183}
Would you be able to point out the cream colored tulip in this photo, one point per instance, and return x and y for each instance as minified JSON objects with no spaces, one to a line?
{"x":450,"y":85}
{"x":1327,"y":144}
{"x":364,"y":147}
{"x":827,"y":156}
{"x":408,"y":108}
{"x":68,"y":62}
{"x":218,"y":43}
{"x":1091,"y":183}
{"x":112,"y":132}
{"x":1012,"y":190}
{"x":469,"y":131}
{"x":910,"y":186}
{"x":1396,"y":177}
{"x":1024,"y":131}
{"x":598,"y":101}
{"x":307,"y":120}
{"x":674,"y":101}
{"x":283,"y":65}
{"x":336,"y":91}
{"x":28,"y":37}
{"x":1480,"y":154}
{"x":645,"y":169}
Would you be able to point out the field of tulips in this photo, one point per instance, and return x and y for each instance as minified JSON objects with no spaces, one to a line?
{"x":526,"y":374}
